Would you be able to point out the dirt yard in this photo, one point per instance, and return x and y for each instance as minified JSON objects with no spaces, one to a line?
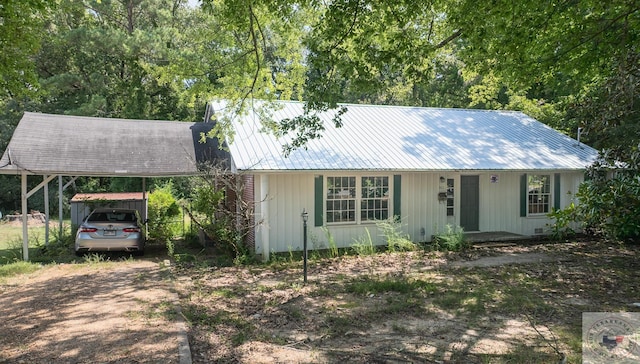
{"x":499,"y":304}
{"x":119,"y":312}
{"x":513,"y":304}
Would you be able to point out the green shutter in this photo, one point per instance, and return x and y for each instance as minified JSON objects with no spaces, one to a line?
{"x":397,"y":194}
{"x":556,"y":191}
{"x":523,"y":195}
{"x":318,"y":201}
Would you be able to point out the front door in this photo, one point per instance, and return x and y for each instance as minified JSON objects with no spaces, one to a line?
{"x":470,"y":203}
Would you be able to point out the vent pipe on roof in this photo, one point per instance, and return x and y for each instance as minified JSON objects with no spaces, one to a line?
{"x":578,"y":137}
{"x":579,"y":133}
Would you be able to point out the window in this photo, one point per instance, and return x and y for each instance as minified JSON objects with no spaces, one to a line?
{"x":539,"y":193}
{"x":375,"y":198}
{"x":341,"y":199}
{"x":450,"y":197}
{"x":357,"y":199}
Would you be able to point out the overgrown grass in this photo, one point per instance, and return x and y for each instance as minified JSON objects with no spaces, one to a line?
{"x":451,"y":239}
{"x":363,"y":245}
{"x":391,"y":229}
{"x":17,"y":268}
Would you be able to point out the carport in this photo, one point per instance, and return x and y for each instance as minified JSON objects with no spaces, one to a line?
{"x":67,"y":147}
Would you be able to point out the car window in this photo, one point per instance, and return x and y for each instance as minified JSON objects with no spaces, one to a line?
{"x":98,"y":217}
{"x":113,"y":217}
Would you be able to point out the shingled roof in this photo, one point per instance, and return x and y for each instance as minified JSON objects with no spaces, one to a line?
{"x":408,"y":138}
{"x":47,"y":144}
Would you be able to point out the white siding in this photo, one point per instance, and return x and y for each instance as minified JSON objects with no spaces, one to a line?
{"x":423,"y":215}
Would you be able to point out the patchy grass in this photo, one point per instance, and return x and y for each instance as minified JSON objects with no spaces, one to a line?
{"x":17,"y":268}
{"x":410,"y":306}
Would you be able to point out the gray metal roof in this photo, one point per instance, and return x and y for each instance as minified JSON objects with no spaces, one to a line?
{"x":410,"y":138}
{"x":85,"y":146}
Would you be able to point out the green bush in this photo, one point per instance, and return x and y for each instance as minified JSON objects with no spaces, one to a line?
{"x":563,"y":218}
{"x":163,"y":207}
{"x":451,"y":239}
{"x":396,"y":240}
{"x":611,"y":206}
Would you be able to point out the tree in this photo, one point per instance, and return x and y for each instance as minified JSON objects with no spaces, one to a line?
{"x":21,"y":24}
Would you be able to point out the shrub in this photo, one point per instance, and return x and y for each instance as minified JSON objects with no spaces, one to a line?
{"x":163,"y":207}
{"x":563,"y":220}
{"x":452,"y":239}
{"x":392,"y":231}
{"x":611,"y":206}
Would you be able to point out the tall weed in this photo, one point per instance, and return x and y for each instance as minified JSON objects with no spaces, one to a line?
{"x":333,"y":247}
{"x":451,"y":239}
{"x":364,"y":245}
{"x":396,"y":240}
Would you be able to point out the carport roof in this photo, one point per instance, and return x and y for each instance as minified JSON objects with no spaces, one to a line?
{"x":46,"y":144}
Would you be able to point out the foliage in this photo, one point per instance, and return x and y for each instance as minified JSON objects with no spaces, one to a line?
{"x":21,"y":24}
{"x":451,"y":239}
{"x":611,"y":206}
{"x":562,"y":227}
{"x":162,"y":207}
{"x":59,"y":249}
{"x":396,"y":240}
{"x":364,"y":245}
{"x":333,"y":247}
{"x":221,"y":213}
{"x":17,"y":268}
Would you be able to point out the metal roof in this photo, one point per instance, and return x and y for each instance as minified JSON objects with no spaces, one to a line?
{"x":108,"y":196}
{"x":409,"y":138}
{"x":49,"y":144}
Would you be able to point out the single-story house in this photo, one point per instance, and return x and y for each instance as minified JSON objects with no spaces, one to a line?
{"x":482,"y":170}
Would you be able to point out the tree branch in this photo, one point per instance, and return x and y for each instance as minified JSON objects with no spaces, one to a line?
{"x":449,"y":39}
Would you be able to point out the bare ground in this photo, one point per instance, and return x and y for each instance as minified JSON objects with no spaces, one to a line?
{"x":489,"y":305}
{"x":500,"y":304}
{"x":118,"y":312}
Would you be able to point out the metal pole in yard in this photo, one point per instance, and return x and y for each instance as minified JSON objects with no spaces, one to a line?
{"x":305,"y":217}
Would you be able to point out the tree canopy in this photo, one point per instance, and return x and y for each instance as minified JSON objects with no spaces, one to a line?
{"x":567,"y":63}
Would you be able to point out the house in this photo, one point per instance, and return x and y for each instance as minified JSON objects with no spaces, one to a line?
{"x":485,"y":171}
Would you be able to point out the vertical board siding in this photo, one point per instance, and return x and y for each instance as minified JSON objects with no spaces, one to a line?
{"x":421,"y":211}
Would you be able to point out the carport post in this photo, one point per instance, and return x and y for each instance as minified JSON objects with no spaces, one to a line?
{"x":25,"y":231}
{"x":46,"y":211}
{"x":60,"y":203}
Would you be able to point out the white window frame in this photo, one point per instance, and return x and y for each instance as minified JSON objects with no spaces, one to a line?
{"x":539,"y":201}
{"x":358,"y":199}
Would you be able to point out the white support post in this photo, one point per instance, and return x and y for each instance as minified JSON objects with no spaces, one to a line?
{"x":25,"y":230}
{"x":60,"y":212}
{"x":46,"y":211}
{"x":144,"y":202}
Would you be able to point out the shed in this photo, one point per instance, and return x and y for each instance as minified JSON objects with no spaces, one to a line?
{"x":482,"y":170}
{"x":83,"y":203}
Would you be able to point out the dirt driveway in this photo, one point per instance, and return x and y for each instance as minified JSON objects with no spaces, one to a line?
{"x":117,"y":312}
